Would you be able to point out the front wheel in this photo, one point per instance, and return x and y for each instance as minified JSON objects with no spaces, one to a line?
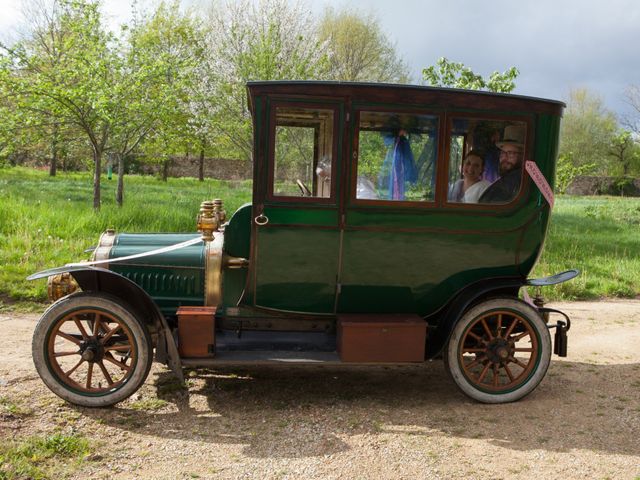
{"x":499,"y":351}
{"x":90,"y":350}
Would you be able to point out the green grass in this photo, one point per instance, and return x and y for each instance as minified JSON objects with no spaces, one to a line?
{"x":601,"y":237}
{"x":42,"y":457}
{"x":11,"y":407}
{"x":49,"y":221}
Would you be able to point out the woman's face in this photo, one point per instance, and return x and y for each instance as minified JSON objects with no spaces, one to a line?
{"x":472,"y":168}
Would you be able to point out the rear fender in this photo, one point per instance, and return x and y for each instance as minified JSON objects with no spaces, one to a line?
{"x":445,"y":319}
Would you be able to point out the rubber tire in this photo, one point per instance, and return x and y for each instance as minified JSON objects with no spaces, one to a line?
{"x":118,"y":309}
{"x":536,"y":376}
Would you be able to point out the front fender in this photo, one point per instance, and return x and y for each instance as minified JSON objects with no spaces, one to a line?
{"x":95,"y":279}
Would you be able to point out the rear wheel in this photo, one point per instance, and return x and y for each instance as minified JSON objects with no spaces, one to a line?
{"x":499,"y":351}
{"x":90,"y":350}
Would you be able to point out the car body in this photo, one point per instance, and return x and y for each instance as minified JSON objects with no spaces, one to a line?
{"x":354,"y":250}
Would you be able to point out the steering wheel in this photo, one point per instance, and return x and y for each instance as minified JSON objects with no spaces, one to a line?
{"x":304,"y":190}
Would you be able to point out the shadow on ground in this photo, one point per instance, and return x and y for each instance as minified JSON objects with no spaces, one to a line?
{"x":275,"y":411}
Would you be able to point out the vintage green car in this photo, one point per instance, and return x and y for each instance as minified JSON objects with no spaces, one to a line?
{"x":389,"y":224}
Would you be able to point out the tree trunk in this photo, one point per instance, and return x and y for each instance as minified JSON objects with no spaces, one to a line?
{"x":97,"y":161}
{"x":165,"y":169}
{"x":54,"y":151}
{"x":120,"y":187}
{"x":201,"y":166}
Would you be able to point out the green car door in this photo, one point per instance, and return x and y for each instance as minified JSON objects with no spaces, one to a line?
{"x":296,"y":219}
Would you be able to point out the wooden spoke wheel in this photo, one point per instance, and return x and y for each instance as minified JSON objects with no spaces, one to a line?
{"x":499,"y":351}
{"x":90,"y":350}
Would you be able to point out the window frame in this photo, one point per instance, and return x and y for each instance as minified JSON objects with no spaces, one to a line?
{"x":442,"y":194}
{"x":336,"y":108}
{"x":438,"y":114}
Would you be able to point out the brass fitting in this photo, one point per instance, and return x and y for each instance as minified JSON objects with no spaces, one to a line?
{"x":61,"y":285}
{"x":210,"y":218}
{"x":207,"y":221}
{"x":219,"y":211}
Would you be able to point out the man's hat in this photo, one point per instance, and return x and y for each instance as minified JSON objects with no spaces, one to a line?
{"x":513,"y":135}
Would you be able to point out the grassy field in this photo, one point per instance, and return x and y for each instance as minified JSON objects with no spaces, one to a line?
{"x":47,"y":222}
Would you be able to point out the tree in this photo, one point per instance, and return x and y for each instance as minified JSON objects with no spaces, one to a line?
{"x":171,"y":44}
{"x":588,"y":131}
{"x":156,"y":64}
{"x":38,"y":128}
{"x":358,"y":49}
{"x":632,"y":95}
{"x":268,"y":40}
{"x":625,"y":152}
{"x":457,"y":75}
{"x":78,"y":89}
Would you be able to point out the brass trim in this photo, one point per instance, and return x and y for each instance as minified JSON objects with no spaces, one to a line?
{"x":213,"y":271}
{"x":103,"y":250}
{"x":234,"y":262}
{"x":61,"y":285}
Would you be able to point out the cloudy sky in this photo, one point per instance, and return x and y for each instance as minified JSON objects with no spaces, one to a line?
{"x":556,"y":44}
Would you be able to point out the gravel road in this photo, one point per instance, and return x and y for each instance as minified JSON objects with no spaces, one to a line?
{"x":583,"y":421}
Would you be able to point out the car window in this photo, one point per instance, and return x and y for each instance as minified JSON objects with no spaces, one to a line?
{"x":303,"y":157}
{"x":486,"y":158}
{"x":397,"y":156}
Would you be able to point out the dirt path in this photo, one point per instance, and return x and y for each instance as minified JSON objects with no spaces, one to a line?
{"x":583,"y":421}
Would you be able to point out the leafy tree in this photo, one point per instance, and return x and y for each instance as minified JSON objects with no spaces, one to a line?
{"x":625,"y":152}
{"x":588,"y":130}
{"x":171,"y":45}
{"x":78,"y":88}
{"x":359,"y":50}
{"x":458,"y":75}
{"x":268,"y":40}
{"x":37,"y":127}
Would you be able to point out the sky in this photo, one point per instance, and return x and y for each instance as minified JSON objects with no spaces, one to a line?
{"x":556,"y":44}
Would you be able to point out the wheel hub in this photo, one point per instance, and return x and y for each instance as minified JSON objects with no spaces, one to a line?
{"x":92,"y":351}
{"x":498,"y":350}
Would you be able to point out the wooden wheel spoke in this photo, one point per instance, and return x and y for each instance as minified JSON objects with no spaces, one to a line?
{"x":123,"y":366}
{"x":69,"y":337}
{"x":518,"y":337}
{"x":486,"y":328}
{"x":523,"y":349}
{"x":495,"y":375}
{"x":105,"y":373}
{"x":66,"y":354}
{"x":518,"y":362}
{"x":474,"y":350}
{"x":110,"y":333}
{"x":472,"y":364}
{"x":508,"y":370}
{"x":511,"y":327}
{"x":484,"y":372}
{"x":89,"y":375}
{"x":96,"y":325}
{"x":83,"y":331}
{"x":118,"y":348}
{"x":477,"y":337}
{"x":69,"y":372}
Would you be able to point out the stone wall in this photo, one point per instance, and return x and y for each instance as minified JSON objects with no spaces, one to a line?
{"x":585,"y":185}
{"x":219,"y":168}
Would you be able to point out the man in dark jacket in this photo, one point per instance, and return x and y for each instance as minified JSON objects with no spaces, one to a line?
{"x":507,"y":186}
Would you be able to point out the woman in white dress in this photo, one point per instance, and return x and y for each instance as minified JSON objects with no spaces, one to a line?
{"x":471,"y":186}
